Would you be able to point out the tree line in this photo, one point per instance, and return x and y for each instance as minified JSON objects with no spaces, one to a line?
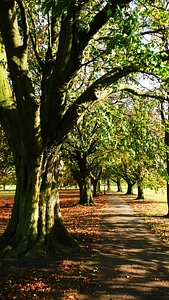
{"x":57,"y":60}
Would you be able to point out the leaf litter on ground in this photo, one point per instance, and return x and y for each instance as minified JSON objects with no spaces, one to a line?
{"x":58,"y":276}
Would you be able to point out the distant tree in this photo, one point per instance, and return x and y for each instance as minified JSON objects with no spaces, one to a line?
{"x":66,"y":179}
{"x":165,"y":122}
{"x":140,"y":146}
{"x":45,"y":48}
{"x":85,"y":149}
{"x":7,"y":170}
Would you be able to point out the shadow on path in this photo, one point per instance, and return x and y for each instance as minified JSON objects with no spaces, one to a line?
{"x":127,"y":262}
{"x":130,"y":262}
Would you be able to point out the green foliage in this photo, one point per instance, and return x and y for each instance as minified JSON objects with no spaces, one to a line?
{"x":140,"y":151}
{"x":61,"y":55}
{"x":90,"y":142}
{"x":7,"y":171}
{"x":58,"y":7}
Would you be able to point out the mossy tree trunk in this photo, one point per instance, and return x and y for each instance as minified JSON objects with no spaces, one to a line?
{"x":95,"y":180}
{"x":36,"y":224}
{"x":37,"y":113}
{"x":84,"y":183}
{"x":86,"y":197}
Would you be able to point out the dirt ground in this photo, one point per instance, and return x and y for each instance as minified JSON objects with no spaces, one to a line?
{"x":119,"y":258}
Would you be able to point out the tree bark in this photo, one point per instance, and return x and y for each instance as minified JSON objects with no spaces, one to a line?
{"x":119,"y":187}
{"x":36,"y":224}
{"x":167,"y":163}
{"x":96,"y":187}
{"x":34,"y":120}
{"x":108,"y":185}
{"x":164,"y":117}
{"x":95,"y":179}
{"x":140,"y":192}
{"x":86,"y":197}
{"x":129,"y":188}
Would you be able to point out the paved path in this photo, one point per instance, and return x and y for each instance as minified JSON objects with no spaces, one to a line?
{"x":134,"y":261}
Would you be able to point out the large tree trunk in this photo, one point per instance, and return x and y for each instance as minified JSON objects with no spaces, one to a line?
{"x":95,"y":179}
{"x":129,"y":188}
{"x":36,"y":224}
{"x":82,"y":176}
{"x":33,"y":120}
{"x":119,"y":187}
{"x":108,"y":185}
{"x":86,"y":197}
{"x":140,"y":192}
{"x":96,"y":187}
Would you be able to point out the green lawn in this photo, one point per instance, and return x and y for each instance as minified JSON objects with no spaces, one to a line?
{"x":154,"y":210}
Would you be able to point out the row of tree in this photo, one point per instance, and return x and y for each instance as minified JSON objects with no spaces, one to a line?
{"x":114,"y":140}
{"x":56,"y":57}
{"x":122,"y":140}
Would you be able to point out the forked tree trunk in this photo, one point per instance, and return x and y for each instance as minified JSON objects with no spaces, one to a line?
{"x":36,"y":224}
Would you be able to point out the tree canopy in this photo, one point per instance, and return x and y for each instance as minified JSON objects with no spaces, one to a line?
{"x":54,"y":57}
{"x":7,"y":172}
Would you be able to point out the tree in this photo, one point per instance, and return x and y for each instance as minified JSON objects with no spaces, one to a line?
{"x":65,"y":179}
{"x":164,"y":117}
{"x":140,"y":145}
{"x":83,"y":149}
{"x":36,"y":117}
{"x":7,"y":172}
{"x":44,"y":48}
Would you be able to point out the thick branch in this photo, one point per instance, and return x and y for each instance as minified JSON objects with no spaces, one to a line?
{"x":141,"y":93}
{"x":100,"y":19}
{"x":25,"y":23}
{"x":97,"y":90}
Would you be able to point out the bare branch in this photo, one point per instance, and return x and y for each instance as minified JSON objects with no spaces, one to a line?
{"x":34,"y":42}
{"x":161,"y":30}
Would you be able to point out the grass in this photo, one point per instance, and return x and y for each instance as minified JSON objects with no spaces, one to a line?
{"x":64,"y":277}
{"x":153,"y":209}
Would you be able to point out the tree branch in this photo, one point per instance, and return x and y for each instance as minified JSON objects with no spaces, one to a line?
{"x":25,"y":23}
{"x":97,"y":91}
{"x":99,"y":20}
{"x":137,"y":92}
{"x":34,"y":42}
